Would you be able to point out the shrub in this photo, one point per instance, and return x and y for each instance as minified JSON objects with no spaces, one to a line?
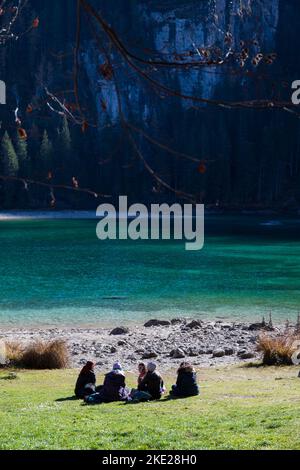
{"x":38,"y":355}
{"x":277,"y":350}
{"x":14,"y":351}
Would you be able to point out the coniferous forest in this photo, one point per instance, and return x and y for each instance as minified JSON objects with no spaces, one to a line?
{"x":165,"y":101}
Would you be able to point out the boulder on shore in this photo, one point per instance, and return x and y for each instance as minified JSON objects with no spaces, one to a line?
{"x":218,"y":353}
{"x":247,"y":355}
{"x":195,"y":324}
{"x":192,"y":352}
{"x":260,"y":326}
{"x":155,"y":322}
{"x":229,"y":351}
{"x":177,"y":353}
{"x":120,"y":330}
{"x":177,"y":321}
{"x":149,"y":355}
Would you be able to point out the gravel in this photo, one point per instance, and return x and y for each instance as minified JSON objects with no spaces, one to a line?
{"x":168,"y":342}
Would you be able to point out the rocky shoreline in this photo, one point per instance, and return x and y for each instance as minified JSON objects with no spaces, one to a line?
{"x":204,"y":343}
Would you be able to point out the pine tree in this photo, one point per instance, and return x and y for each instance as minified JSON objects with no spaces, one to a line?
{"x":22,"y":153}
{"x":10,"y":163}
{"x":10,"y":167}
{"x":45,"y":162}
{"x":65,"y":139}
{"x":63,"y":151}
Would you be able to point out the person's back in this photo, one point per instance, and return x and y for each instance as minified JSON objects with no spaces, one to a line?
{"x":113,"y":383}
{"x":152,"y":383}
{"x":86,"y":381}
{"x":114,"y":386}
{"x":186,"y":384}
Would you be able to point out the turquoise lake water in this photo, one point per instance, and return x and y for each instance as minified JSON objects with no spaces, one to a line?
{"x":56,"y":272}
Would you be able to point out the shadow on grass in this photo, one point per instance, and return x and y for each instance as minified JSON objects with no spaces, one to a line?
{"x":73,"y":398}
{"x":167,"y":399}
{"x":261,"y":365}
{"x":10,"y":376}
{"x":122,"y":403}
{"x":253,"y":365}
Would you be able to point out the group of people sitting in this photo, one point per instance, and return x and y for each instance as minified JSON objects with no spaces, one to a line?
{"x":150,"y":385}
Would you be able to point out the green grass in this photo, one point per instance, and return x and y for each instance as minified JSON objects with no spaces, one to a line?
{"x":239,"y":408}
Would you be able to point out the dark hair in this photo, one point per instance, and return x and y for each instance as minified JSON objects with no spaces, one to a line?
{"x":143,"y":365}
{"x":185,"y":367}
{"x":87,"y":368}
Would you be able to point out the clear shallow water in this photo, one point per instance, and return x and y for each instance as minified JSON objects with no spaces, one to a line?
{"x":56,"y":272}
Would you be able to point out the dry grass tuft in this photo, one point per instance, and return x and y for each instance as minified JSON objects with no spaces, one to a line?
{"x":14,"y":352}
{"x":38,"y":355}
{"x":277,"y":350}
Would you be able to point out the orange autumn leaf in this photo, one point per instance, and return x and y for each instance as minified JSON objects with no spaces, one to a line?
{"x":22,"y":133}
{"x":84,"y":126}
{"x":35,"y":23}
{"x":202,"y":168}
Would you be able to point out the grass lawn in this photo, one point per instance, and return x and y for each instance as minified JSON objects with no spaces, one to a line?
{"x":239,"y":408}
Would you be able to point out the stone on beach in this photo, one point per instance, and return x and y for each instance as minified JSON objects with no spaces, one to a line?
{"x":120,"y":330}
{"x":227,"y":326}
{"x":260,"y":326}
{"x":176,"y":321}
{"x":218,"y":353}
{"x":149,"y":355}
{"x":155,"y":322}
{"x":247,"y":355}
{"x":229,"y":351}
{"x":192,"y":352}
{"x":202,"y":343}
{"x":177,"y":353}
{"x":131,"y":358}
{"x":195,"y":324}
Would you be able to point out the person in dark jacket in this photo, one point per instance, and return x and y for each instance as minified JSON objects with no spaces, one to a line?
{"x":86,"y":382}
{"x":113,"y":388}
{"x":152,"y":383}
{"x":186,"y":384}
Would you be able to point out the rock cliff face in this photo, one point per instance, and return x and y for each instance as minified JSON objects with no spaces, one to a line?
{"x":174,"y":27}
{"x":255,"y":154}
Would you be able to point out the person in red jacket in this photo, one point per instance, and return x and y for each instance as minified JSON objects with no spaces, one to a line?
{"x":142,"y":372}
